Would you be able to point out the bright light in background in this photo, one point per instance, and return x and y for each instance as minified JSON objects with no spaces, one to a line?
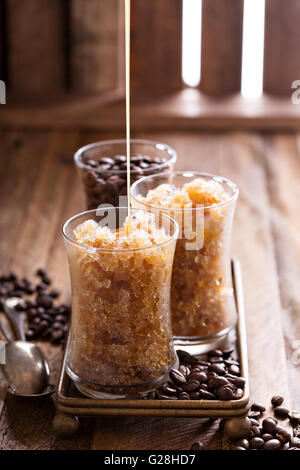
{"x":253,"y":48}
{"x":191,"y":42}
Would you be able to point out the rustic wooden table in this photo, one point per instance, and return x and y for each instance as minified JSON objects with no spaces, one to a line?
{"x":39,"y":190}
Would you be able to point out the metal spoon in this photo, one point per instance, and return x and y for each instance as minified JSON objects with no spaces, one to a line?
{"x":26,"y":369}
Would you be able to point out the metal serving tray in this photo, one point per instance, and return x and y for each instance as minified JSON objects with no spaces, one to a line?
{"x":71,"y":404}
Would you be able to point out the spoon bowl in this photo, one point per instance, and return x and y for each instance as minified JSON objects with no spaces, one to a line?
{"x":26,"y":369}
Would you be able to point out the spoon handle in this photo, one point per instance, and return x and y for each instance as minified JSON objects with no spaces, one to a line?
{"x":17,"y":320}
{"x":5,"y":332}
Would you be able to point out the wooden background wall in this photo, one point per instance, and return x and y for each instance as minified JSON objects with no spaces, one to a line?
{"x":54,"y":47}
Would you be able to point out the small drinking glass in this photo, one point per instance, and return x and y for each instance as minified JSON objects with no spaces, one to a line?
{"x":121,"y":340}
{"x":202,"y":300}
{"x":103,"y":169}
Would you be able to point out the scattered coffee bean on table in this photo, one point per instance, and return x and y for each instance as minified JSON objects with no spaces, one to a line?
{"x":281,"y":412}
{"x":197,"y":446}
{"x":46,"y":319}
{"x":269,"y":435}
{"x":277,"y":400}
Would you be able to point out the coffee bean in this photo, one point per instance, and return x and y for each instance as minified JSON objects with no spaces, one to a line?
{"x":203,"y":387}
{"x":258,"y":407}
{"x":269,"y":425}
{"x":169,"y":390}
{"x":215,"y":353}
{"x":227,"y":352}
{"x":184,"y":370}
{"x":44,"y":324}
{"x":225,"y":393}
{"x":243,"y":443}
{"x":47,"y":334}
{"x":234,"y":370}
{"x":54,"y":293}
{"x":56,"y":336}
{"x":45,"y":301}
{"x":186,"y":357}
{"x":217,"y":382}
{"x":184,"y":396}
{"x":177,"y":377}
{"x":272,"y":444}
{"x":238,"y":394}
{"x":267,"y":437}
{"x":197,"y":446}
{"x":254,"y":422}
{"x":239,"y":382}
{"x":277,"y":400}
{"x":162,"y":396}
{"x":217,"y":368}
{"x":238,"y":448}
{"x":207,"y":395}
{"x":282,"y":435}
{"x":195,"y":395}
{"x":281,"y":412}
{"x":295,"y":442}
{"x":30,"y":335}
{"x":294,"y":417}
{"x":191,"y":386}
{"x":255,"y":431}
{"x":256,"y":443}
{"x":231,"y":362}
{"x":201,"y":377}
{"x":41,"y":272}
{"x":254,"y":414}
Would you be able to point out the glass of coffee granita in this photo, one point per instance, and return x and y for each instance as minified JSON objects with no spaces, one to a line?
{"x":120,"y":341}
{"x":202,"y":298}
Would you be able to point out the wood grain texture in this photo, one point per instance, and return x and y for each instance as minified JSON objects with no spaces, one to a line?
{"x":156,"y":45}
{"x":36,"y":65}
{"x":222,"y":26}
{"x":283,"y":170}
{"x":94,"y":45}
{"x":39,"y":189}
{"x":188,"y":109}
{"x":282,"y":36}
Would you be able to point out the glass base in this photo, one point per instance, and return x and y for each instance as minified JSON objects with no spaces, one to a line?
{"x":201,"y":345}
{"x":118,"y":391}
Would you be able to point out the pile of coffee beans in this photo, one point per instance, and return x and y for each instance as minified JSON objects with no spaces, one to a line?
{"x":215,"y":376}
{"x":46,"y":319}
{"x":106,"y":179}
{"x":266,"y":433}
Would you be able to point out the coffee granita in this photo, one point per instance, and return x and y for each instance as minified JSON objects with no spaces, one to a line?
{"x":121,"y":336}
{"x":202,"y":294}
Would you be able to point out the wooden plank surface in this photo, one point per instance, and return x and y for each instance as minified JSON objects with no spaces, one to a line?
{"x":282,"y":34}
{"x":283,"y":170}
{"x":188,"y":109}
{"x":222,"y":27}
{"x":155,"y":59}
{"x":36,"y":48}
{"x":94,"y":27}
{"x":46,"y":192}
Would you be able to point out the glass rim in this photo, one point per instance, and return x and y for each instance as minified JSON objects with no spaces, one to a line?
{"x":120,"y":250}
{"x":102,"y":143}
{"x":219,"y":179}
